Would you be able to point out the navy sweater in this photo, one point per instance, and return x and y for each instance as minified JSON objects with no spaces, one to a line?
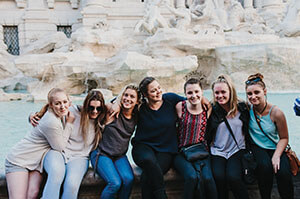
{"x":157,"y":128}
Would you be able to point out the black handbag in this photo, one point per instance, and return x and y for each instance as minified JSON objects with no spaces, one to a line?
{"x":248,"y":161}
{"x":195,"y":152}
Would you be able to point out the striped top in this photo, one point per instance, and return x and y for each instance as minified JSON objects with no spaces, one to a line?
{"x":191,"y":129}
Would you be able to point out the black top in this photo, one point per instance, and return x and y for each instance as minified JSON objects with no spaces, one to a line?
{"x":217,"y":116}
{"x":157,"y":128}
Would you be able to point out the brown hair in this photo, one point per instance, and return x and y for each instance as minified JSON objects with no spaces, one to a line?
{"x":192,"y":81}
{"x":254,"y":79}
{"x":233,"y":100}
{"x":50,"y":96}
{"x":143,"y":86}
{"x":96,"y":95}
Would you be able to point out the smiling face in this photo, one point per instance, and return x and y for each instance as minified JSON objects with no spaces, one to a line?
{"x":193,"y":93}
{"x":60,"y":104}
{"x":221,"y":93}
{"x":129,"y":98}
{"x":95,"y":108}
{"x":256,"y":94}
{"x":154,"y":92}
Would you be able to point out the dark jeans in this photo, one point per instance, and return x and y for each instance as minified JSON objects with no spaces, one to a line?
{"x":154,"y":165}
{"x":265,"y":174}
{"x":187,"y":170}
{"x":228,"y":172}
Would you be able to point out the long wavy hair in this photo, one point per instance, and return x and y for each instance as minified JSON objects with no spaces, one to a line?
{"x":233,"y":99}
{"x":50,"y":97}
{"x":93,"y":95}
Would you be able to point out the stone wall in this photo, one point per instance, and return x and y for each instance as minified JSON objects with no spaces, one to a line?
{"x":91,"y":187}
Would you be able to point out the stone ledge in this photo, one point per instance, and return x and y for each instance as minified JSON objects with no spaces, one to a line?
{"x":91,"y":187}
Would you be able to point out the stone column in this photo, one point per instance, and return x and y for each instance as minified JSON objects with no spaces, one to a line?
{"x":248,"y":4}
{"x":95,"y":11}
{"x":257,"y":3}
{"x":36,"y":22}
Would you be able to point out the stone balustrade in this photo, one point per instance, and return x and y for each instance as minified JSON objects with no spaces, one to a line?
{"x":91,"y":186}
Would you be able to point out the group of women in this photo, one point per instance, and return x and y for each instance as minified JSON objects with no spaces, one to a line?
{"x":65,"y":136}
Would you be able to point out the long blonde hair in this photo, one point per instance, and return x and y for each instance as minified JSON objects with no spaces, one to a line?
{"x":233,"y":100}
{"x":50,"y":96}
{"x":96,"y":95}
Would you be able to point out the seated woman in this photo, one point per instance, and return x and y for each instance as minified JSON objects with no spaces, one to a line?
{"x":227,"y":141}
{"x":297,"y":106}
{"x":269,"y":132}
{"x":69,"y":165}
{"x":192,"y":121}
{"x":109,"y":159}
{"x":24,"y":164}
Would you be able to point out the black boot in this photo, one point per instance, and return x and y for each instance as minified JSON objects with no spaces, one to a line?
{"x":160,"y":194}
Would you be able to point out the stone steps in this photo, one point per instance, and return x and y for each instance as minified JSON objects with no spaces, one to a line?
{"x":91,"y":187}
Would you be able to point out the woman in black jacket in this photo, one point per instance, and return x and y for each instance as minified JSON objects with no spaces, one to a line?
{"x":227,"y":146}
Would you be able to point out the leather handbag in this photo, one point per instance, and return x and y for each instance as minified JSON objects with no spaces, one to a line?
{"x":195,"y":152}
{"x":248,"y":161}
{"x":293,"y":159}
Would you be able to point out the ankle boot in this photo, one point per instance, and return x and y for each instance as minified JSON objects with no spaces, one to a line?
{"x":160,"y":194}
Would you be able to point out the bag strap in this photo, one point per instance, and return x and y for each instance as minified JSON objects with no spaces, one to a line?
{"x":231,"y":132}
{"x":259,"y":125}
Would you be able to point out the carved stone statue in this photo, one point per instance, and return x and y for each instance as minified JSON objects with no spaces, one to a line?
{"x":290,"y":25}
{"x":205,"y":17}
{"x":152,"y":19}
{"x":182,"y":15}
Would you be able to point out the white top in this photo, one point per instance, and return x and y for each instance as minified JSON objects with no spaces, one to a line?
{"x":31,"y":150}
{"x":76,"y":148}
{"x":224,"y":144}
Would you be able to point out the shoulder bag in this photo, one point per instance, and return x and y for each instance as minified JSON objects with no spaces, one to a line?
{"x":293,"y":159}
{"x":248,"y":161}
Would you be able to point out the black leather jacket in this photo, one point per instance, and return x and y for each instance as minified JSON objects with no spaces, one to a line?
{"x":217,"y":116}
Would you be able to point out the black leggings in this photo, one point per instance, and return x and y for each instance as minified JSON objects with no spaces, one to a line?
{"x":154,"y":165}
{"x":265,"y":174}
{"x":228,"y":172}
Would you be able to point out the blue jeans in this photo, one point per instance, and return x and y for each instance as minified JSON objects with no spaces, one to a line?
{"x":187,"y":170}
{"x":117,"y":174}
{"x":71,"y":173}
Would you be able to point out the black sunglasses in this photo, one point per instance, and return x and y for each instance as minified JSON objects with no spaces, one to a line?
{"x":98,"y":108}
{"x":257,"y":79}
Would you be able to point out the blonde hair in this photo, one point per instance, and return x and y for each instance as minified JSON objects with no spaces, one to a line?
{"x":233,"y":99}
{"x":50,"y":97}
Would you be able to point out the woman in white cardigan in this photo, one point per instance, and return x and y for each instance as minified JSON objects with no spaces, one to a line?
{"x":24,"y":163}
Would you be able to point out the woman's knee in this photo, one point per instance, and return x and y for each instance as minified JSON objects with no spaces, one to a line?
{"x":128,"y":179}
{"x":33,"y":193}
{"x":114,"y":186}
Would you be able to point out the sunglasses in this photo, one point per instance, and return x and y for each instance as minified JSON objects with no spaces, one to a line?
{"x":98,"y":108}
{"x":257,"y":79}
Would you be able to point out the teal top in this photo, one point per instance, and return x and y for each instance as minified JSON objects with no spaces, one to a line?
{"x":269,"y":128}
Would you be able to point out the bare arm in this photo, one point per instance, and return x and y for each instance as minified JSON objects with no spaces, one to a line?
{"x":179,"y":109}
{"x":279,"y":119}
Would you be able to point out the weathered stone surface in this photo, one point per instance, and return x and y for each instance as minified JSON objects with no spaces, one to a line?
{"x":273,"y":60}
{"x":103,"y":41}
{"x":172,"y":42}
{"x":47,"y":44}
{"x":11,"y":96}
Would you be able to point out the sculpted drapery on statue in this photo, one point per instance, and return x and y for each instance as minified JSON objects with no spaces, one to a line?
{"x":152,"y":19}
{"x":290,"y":26}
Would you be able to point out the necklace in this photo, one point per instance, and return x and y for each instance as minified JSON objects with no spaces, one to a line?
{"x":260,"y":112}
